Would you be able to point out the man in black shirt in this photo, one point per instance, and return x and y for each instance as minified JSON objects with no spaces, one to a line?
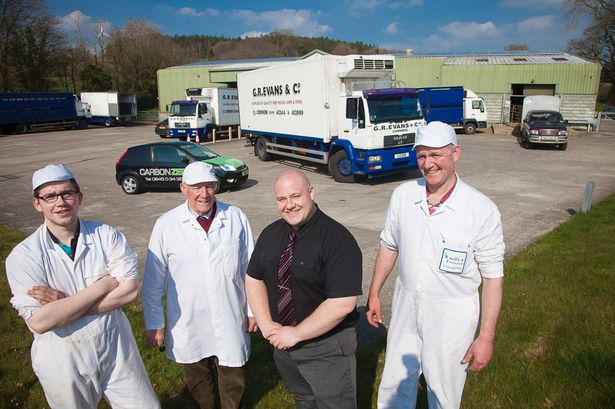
{"x":302,"y":282}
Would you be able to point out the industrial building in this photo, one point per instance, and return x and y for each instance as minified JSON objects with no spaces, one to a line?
{"x":502,"y":80}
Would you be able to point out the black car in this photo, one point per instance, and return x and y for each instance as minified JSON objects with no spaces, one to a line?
{"x":161,"y":165}
{"x":544,"y":128}
{"x":162,"y":128}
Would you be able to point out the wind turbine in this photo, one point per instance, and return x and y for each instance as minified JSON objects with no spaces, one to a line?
{"x":101,"y":39}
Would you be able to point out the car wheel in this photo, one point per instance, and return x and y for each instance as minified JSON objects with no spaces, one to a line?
{"x":131,"y":184}
{"x":21,"y":128}
{"x":523,"y":141}
{"x":340,"y":167}
{"x":260,"y":150}
{"x":562,"y":146}
{"x":469,"y":128}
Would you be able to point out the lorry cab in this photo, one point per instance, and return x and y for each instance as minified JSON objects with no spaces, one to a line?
{"x":376,"y":118}
{"x":474,"y":109}
{"x":189,"y":118}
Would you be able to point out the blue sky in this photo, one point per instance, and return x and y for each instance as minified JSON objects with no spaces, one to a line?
{"x":426,"y":26}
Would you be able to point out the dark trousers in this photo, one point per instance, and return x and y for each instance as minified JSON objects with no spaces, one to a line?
{"x":213,"y":385}
{"x":322,"y":374}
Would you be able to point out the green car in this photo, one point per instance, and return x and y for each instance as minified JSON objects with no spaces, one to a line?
{"x":161,"y":165}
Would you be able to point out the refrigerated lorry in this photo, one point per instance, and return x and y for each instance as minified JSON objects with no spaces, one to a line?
{"x":110,"y":108}
{"x":203,"y":110}
{"x":461,"y":108}
{"x":21,"y":112}
{"x":339,"y":111}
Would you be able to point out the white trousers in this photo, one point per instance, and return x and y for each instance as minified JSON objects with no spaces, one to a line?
{"x":427,"y":335}
{"x":76,"y":372}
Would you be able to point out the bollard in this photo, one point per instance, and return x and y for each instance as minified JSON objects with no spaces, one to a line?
{"x":213,"y":136}
{"x":230,"y":133}
{"x":587,"y":201}
{"x":239,"y":132}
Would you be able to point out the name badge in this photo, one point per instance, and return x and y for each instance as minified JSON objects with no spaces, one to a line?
{"x":453,"y":261}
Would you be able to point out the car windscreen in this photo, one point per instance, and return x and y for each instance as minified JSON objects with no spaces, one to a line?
{"x":549,"y":117}
{"x":199,"y":152}
{"x":182,"y":109}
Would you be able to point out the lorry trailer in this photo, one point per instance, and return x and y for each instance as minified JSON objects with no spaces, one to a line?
{"x":461,"y":108}
{"x":22,"y":112}
{"x":339,"y":111}
{"x":203,"y":111}
{"x":110,"y":108}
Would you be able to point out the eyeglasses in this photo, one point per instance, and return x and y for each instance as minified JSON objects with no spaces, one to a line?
{"x":66,"y":196}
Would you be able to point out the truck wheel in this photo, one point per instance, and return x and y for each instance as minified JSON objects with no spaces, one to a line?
{"x":260,"y":150}
{"x":563,"y":146}
{"x":21,"y":128}
{"x":108,"y":122}
{"x":340,"y":167}
{"x":469,"y":128}
{"x":82,"y":123}
{"x":131,"y":184}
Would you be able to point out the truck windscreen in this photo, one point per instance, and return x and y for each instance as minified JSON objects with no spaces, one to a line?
{"x":398,"y":107}
{"x":182,"y":110}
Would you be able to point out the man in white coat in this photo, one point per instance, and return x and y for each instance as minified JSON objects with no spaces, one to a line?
{"x":69,"y":280}
{"x":198,"y":255}
{"x":448,"y":239}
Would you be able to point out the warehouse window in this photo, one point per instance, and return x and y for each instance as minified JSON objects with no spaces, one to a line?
{"x":520,"y":59}
{"x":560,"y":59}
{"x":482,"y":60}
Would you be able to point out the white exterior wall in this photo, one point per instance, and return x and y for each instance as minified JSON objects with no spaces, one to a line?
{"x":573,"y":107}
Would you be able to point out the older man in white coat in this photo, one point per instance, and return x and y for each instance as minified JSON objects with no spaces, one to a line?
{"x":69,"y":280}
{"x":447,"y":237}
{"x":198,"y":255}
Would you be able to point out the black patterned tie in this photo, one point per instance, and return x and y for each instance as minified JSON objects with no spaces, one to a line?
{"x":286,"y":308}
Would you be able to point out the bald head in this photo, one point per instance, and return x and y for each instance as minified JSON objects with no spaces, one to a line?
{"x":294,"y":196}
{"x":294,"y":177}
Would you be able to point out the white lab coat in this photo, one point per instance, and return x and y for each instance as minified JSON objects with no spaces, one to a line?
{"x":435,"y":312}
{"x":96,"y":355}
{"x":202,"y":275}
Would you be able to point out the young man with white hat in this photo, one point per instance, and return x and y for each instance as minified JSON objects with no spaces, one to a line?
{"x":69,"y":280}
{"x":448,"y":239}
{"x":198,"y":255}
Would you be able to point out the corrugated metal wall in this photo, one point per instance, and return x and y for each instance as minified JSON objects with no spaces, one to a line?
{"x":576,"y":82}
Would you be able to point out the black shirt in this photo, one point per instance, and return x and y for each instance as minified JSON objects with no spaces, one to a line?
{"x":327,"y":263}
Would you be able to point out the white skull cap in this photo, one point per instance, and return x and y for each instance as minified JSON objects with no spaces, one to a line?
{"x":51,"y":173}
{"x":435,"y":134}
{"x":199,"y":172}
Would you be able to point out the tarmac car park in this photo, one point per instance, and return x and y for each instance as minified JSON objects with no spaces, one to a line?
{"x":161,"y":165}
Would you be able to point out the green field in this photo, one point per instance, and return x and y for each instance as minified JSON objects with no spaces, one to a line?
{"x":555,"y":346}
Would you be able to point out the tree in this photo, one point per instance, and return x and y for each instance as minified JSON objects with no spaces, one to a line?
{"x":598,"y":40}
{"x":133,"y":55}
{"x":36,"y":54}
{"x":95,"y":79}
{"x":29,"y":40}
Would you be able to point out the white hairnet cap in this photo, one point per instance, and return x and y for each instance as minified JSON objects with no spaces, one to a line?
{"x":435,"y":134}
{"x":51,"y":173}
{"x":199,"y":172}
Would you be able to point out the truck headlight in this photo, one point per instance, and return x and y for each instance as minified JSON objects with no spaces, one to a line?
{"x":376,"y":158}
{"x":562,"y":132}
{"x":533,"y":132}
